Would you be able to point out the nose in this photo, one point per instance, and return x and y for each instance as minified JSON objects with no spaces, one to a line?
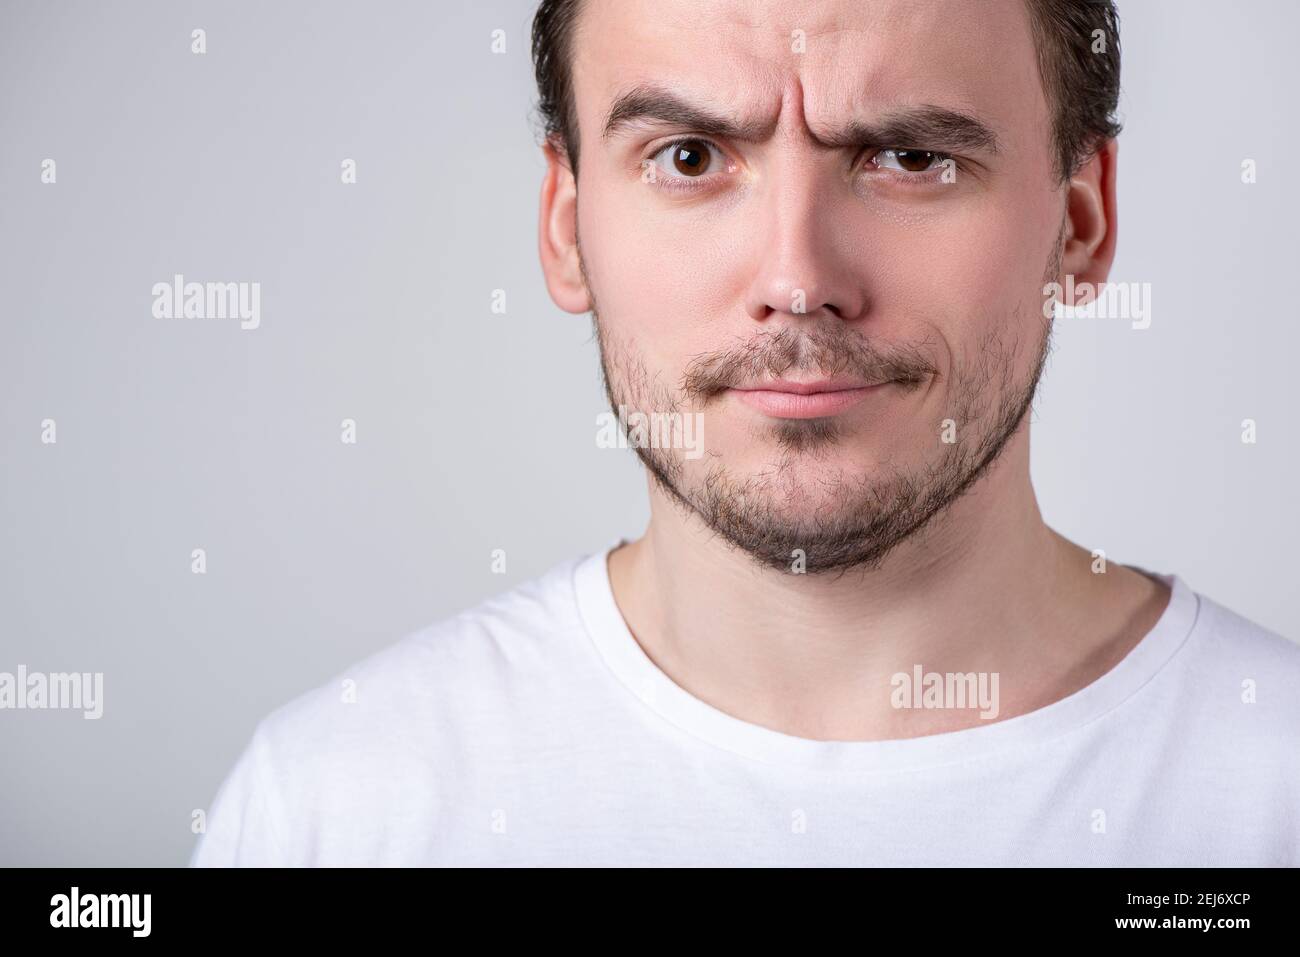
{"x":807,"y":262}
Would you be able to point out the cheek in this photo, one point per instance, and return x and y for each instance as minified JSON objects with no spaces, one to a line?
{"x":961,"y":278}
{"x":662,"y":283}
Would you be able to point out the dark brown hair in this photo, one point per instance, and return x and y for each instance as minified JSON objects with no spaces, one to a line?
{"x":1078,"y":60}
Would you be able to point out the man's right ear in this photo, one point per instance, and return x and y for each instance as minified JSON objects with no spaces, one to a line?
{"x":557,"y":234}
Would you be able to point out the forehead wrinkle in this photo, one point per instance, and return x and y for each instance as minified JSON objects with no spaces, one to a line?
{"x":749,"y":96}
{"x":921,"y":126}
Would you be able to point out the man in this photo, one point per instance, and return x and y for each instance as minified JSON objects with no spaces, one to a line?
{"x":818,"y":240}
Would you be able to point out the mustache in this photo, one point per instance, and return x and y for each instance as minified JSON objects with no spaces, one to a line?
{"x":829,"y":350}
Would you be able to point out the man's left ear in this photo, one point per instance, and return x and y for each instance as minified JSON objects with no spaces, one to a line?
{"x":1091,"y":227}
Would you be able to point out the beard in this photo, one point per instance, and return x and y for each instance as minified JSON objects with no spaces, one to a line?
{"x":860,"y":518}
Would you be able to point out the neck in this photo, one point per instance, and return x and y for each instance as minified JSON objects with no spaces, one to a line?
{"x":985,"y":587}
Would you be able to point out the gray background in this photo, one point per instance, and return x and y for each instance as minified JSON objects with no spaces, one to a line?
{"x":475,"y":430}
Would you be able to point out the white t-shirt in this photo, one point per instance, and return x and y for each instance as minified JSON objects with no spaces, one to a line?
{"x":533,"y":730}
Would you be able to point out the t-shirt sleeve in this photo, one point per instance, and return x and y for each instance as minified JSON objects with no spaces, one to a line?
{"x":241,"y":827}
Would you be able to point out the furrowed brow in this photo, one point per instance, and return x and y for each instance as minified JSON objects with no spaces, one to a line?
{"x":653,"y":105}
{"x":921,"y":127}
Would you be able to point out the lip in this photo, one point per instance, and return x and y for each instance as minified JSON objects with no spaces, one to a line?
{"x":806,"y":400}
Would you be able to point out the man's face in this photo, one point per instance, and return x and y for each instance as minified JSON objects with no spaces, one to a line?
{"x":872,"y":225}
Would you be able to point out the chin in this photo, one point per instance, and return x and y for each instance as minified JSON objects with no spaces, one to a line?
{"x":804,"y":461}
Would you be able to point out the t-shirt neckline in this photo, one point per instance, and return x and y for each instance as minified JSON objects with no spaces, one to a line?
{"x":643,"y":679}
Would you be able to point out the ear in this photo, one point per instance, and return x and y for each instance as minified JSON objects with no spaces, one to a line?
{"x":557,"y":234}
{"x":1091,"y":219}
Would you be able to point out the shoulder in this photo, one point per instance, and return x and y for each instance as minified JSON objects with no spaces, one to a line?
{"x":439,"y":671}
{"x":1227,"y":638}
{"x":1243,"y":677}
{"x":390,"y":734}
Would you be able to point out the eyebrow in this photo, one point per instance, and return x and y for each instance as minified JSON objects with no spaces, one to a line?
{"x":909,"y":127}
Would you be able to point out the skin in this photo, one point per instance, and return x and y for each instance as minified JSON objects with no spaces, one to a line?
{"x":918,"y":550}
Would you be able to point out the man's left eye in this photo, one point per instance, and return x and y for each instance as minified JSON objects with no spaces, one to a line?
{"x":908,"y":161}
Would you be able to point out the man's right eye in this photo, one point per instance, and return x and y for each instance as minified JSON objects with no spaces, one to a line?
{"x":687,"y":159}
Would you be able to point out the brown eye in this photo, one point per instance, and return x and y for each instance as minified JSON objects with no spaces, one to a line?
{"x":690,"y":158}
{"x":915,"y":161}
{"x":675,"y":165}
{"x":909,"y":161}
